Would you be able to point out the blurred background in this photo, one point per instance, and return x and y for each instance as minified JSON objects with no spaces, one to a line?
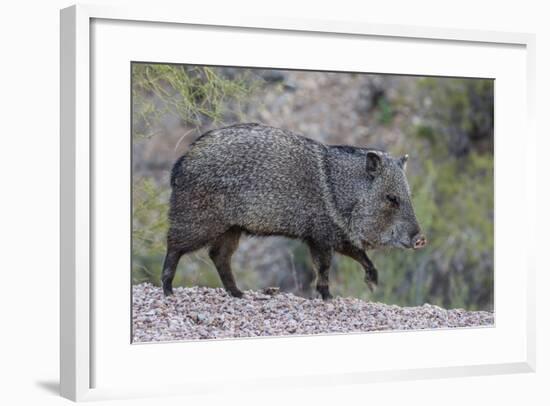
{"x":444,"y":124}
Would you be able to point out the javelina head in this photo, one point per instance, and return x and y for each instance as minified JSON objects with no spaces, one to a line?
{"x":384,"y":215}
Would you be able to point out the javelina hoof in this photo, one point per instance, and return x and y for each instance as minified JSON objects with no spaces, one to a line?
{"x":370,"y":284}
{"x":325,"y":294}
{"x":236,"y":293}
{"x":371,"y":279}
{"x":167,"y":290}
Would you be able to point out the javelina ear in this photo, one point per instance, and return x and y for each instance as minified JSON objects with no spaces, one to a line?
{"x":373,"y":162}
{"x":403,"y":161}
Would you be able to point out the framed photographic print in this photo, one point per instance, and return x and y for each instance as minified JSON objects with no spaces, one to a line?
{"x":261,"y":203}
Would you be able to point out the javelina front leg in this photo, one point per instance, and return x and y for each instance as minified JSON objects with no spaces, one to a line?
{"x":220,"y":252}
{"x":359,"y":255}
{"x":322,"y":257}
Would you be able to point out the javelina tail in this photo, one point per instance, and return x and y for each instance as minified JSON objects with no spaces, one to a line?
{"x":176,"y":171}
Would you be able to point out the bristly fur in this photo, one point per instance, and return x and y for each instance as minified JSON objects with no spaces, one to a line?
{"x":268,"y":181}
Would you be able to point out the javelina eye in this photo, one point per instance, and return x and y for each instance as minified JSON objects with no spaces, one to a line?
{"x":394,"y":200}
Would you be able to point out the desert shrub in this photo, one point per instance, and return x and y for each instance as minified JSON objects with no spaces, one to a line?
{"x":149,"y":226}
{"x":460,"y":111}
{"x":191,"y":93}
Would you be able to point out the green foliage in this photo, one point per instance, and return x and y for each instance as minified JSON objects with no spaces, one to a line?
{"x":426,"y":132}
{"x":460,"y":112}
{"x":191,"y":93}
{"x":149,"y":226}
{"x":384,"y":111}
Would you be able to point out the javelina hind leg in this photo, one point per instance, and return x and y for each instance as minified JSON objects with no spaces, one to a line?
{"x":359,"y":255}
{"x":221,"y":251}
{"x":322,"y":257}
{"x":181,"y":241}
{"x":169,"y":269}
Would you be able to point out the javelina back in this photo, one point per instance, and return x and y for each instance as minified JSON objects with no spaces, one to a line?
{"x":260,"y":180}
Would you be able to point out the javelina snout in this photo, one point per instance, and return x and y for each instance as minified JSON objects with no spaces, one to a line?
{"x":419,"y":241}
{"x":253,"y":179}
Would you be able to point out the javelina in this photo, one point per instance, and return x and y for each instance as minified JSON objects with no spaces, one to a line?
{"x":259,"y":180}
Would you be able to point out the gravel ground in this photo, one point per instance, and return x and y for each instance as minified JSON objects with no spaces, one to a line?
{"x":206,"y":313}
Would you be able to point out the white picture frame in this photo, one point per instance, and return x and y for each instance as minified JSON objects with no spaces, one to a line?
{"x":77,"y":345}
